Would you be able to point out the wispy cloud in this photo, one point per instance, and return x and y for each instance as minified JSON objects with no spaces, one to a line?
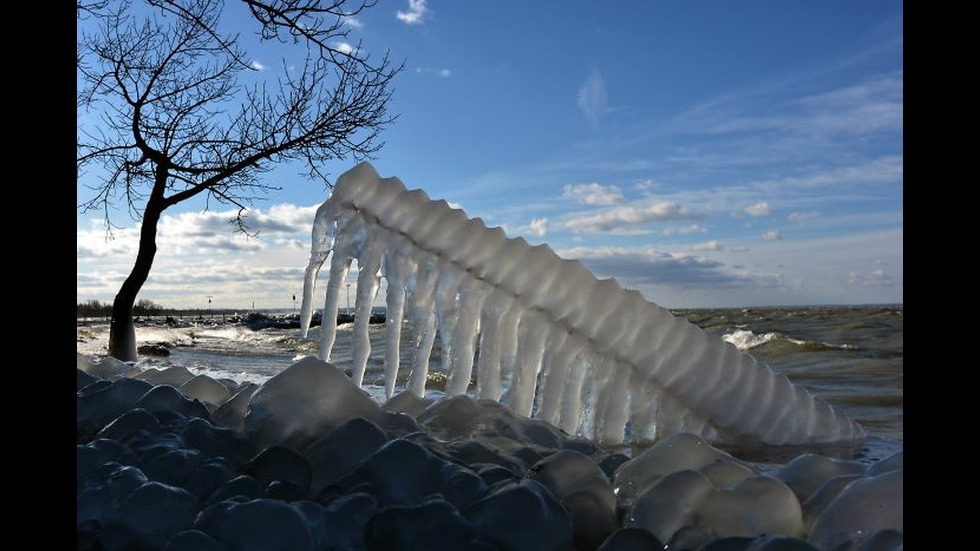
{"x":772,"y":235}
{"x":800,"y":217}
{"x":435,"y":71}
{"x":592,"y":100}
{"x":629,"y":216}
{"x":416,"y":14}
{"x":708,"y":246}
{"x":684,"y":230}
{"x":874,"y":278}
{"x":593,"y":194}
{"x":353,"y":22}
{"x":762,"y":208}
{"x":257,"y":65}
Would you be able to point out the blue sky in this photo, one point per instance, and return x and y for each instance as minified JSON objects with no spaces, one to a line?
{"x":707,"y":154}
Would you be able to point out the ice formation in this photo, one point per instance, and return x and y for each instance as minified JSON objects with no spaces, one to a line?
{"x":578,"y":352}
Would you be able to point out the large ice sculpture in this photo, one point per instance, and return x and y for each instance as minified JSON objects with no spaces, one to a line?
{"x":588,"y":354}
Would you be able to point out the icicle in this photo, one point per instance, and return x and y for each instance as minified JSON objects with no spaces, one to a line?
{"x":530,"y":347}
{"x":424,"y":325}
{"x":498,"y":311}
{"x":613,"y":407}
{"x":471,"y":297}
{"x":555,"y":378}
{"x":368,"y":281}
{"x":571,"y":403}
{"x":348,"y":237}
{"x":447,"y":291}
{"x":398,"y":270}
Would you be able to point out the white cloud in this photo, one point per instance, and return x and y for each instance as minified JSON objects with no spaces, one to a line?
{"x":800,"y":217}
{"x":353,"y":22}
{"x":762,"y":208}
{"x":417,"y":11}
{"x":257,"y":65}
{"x":875,"y":278}
{"x":593,"y":194}
{"x":629,"y":216}
{"x":772,"y":235}
{"x":539,"y":227}
{"x":445,"y":73}
{"x":684,"y":230}
{"x":201,"y":232}
{"x":708,"y":246}
{"x":592,"y":98}
{"x":344,"y":48}
{"x":652,"y":266}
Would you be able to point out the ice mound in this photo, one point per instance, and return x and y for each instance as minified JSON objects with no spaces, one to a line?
{"x":303,"y":402}
{"x":583,"y":354}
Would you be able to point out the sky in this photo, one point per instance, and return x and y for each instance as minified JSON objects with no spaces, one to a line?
{"x":709,"y":154}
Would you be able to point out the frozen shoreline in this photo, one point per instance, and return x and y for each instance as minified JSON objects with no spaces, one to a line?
{"x":472,"y":471}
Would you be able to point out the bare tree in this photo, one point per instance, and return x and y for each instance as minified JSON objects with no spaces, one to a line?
{"x":182,"y":111}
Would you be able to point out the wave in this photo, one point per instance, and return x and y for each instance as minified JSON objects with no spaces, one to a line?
{"x":743,"y":339}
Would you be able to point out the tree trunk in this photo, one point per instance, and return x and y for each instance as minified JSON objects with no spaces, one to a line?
{"x":122,"y":332}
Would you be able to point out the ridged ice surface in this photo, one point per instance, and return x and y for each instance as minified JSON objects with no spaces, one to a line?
{"x":579,"y":352}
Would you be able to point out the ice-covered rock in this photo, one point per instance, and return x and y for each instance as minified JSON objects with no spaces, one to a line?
{"x":214,"y":441}
{"x":431,"y":526}
{"x":824,"y":496}
{"x":96,"y":406}
{"x":584,"y":490}
{"x":83,"y":379}
{"x":755,"y":506}
{"x":153,"y":513}
{"x":339,"y":452}
{"x":407,"y":403}
{"x":522,"y":516}
{"x":205,"y":389}
{"x":405,"y":473}
{"x":279,"y":463}
{"x":864,"y":506}
{"x":808,"y":472}
{"x":231,"y":413}
{"x":173,"y":467}
{"x":102,"y":490}
{"x":893,"y":462}
{"x":104,"y":368}
{"x":676,"y":453}
{"x":165,"y":400}
{"x":128,"y":423}
{"x":209,"y":477}
{"x":687,"y":499}
{"x":306,"y":400}
{"x":460,"y":417}
{"x":174,"y":376}
{"x":257,"y":525}
{"x":346,"y":518}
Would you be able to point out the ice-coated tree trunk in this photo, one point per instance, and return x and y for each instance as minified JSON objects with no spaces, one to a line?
{"x":122,"y":332}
